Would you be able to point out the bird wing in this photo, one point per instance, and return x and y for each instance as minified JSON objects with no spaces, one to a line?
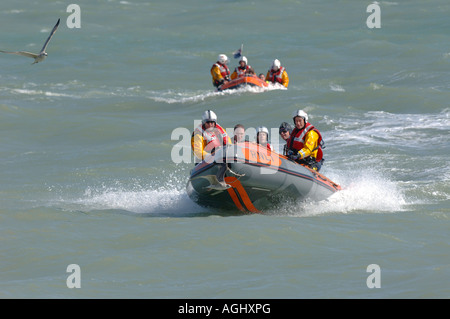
{"x":50,"y":36}
{"x":23,"y":53}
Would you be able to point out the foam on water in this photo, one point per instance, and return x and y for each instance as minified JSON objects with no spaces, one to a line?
{"x":163,"y":196}
{"x":173,"y":96}
{"x":44,"y":93}
{"x":385,"y":128}
{"x":140,"y":200}
{"x":364,"y":191}
{"x":152,"y":202}
{"x":336,"y":88}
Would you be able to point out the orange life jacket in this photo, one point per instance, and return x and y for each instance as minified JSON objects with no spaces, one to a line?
{"x":224,"y":70}
{"x":212,"y":137}
{"x":276,"y":76}
{"x":242,"y":71}
{"x":297,"y":140}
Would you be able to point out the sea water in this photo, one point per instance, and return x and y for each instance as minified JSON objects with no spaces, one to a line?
{"x":88,"y":176}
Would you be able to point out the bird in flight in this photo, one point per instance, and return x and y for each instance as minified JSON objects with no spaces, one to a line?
{"x":41,"y":55}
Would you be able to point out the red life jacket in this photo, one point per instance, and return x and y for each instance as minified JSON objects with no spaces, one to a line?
{"x":242,"y":71}
{"x":224,"y":70}
{"x":276,"y":76}
{"x":269,"y":147}
{"x":297,"y":140}
{"x":212,"y":137}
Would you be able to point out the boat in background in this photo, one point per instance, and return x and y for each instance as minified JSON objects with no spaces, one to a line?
{"x":250,"y":178}
{"x":244,"y":81}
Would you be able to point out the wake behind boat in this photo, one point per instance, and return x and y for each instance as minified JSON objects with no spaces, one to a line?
{"x":250,"y":178}
{"x":244,"y":81}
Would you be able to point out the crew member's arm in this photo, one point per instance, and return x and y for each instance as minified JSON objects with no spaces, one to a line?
{"x":217,"y":76}
{"x":285,"y":79}
{"x":198,"y":147}
{"x":311,"y":142}
{"x":234,"y":75}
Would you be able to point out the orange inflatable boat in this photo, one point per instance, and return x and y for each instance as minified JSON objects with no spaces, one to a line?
{"x":251,"y":178}
{"x":248,"y":80}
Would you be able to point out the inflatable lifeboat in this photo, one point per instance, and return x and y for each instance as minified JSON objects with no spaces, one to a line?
{"x":250,"y":178}
{"x":248,"y":80}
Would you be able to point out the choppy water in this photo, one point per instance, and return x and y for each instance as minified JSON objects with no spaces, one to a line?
{"x":87,"y":176}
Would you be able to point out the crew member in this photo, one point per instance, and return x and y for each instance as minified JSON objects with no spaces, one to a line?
{"x":242,"y":69}
{"x":220,"y":71}
{"x":208,"y":136}
{"x":262,"y":137}
{"x":285,"y":131}
{"x":263,"y":77}
{"x":278,"y":74}
{"x":239,"y":134}
{"x":305,"y":144}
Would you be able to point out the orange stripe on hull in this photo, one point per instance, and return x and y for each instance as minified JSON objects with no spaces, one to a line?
{"x":237,"y":186}
{"x":235,"y":199}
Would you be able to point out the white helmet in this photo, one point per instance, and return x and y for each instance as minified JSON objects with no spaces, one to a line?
{"x":209,"y":116}
{"x":262,"y":129}
{"x":243,"y":59}
{"x":276,"y":64}
{"x":300,"y":113}
{"x":222,"y":58}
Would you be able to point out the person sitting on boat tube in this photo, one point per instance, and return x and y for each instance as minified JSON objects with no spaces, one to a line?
{"x":285,"y":133}
{"x":220,"y":71}
{"x":263,"y":77}
{"x":243,"y":69}
{"x":305,"y":144}
{"x":208,"y":136}
{"x":262,"y":137}
{"x":278,"y":74}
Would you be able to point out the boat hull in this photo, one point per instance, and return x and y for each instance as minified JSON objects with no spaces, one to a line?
{"x":250,"y":178}
{"x":245,"y":81}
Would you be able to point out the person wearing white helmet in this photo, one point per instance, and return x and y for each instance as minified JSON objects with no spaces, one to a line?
{"x":208,"y":136}
{"x":305,"y":145}
{"x":243,"y":69}
{"x":278,"y":74}
{"x":262,"y":137}
{"x":219,"y":71}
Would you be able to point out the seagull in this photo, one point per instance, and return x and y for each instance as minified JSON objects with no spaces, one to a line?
{"x":42,"y":55}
